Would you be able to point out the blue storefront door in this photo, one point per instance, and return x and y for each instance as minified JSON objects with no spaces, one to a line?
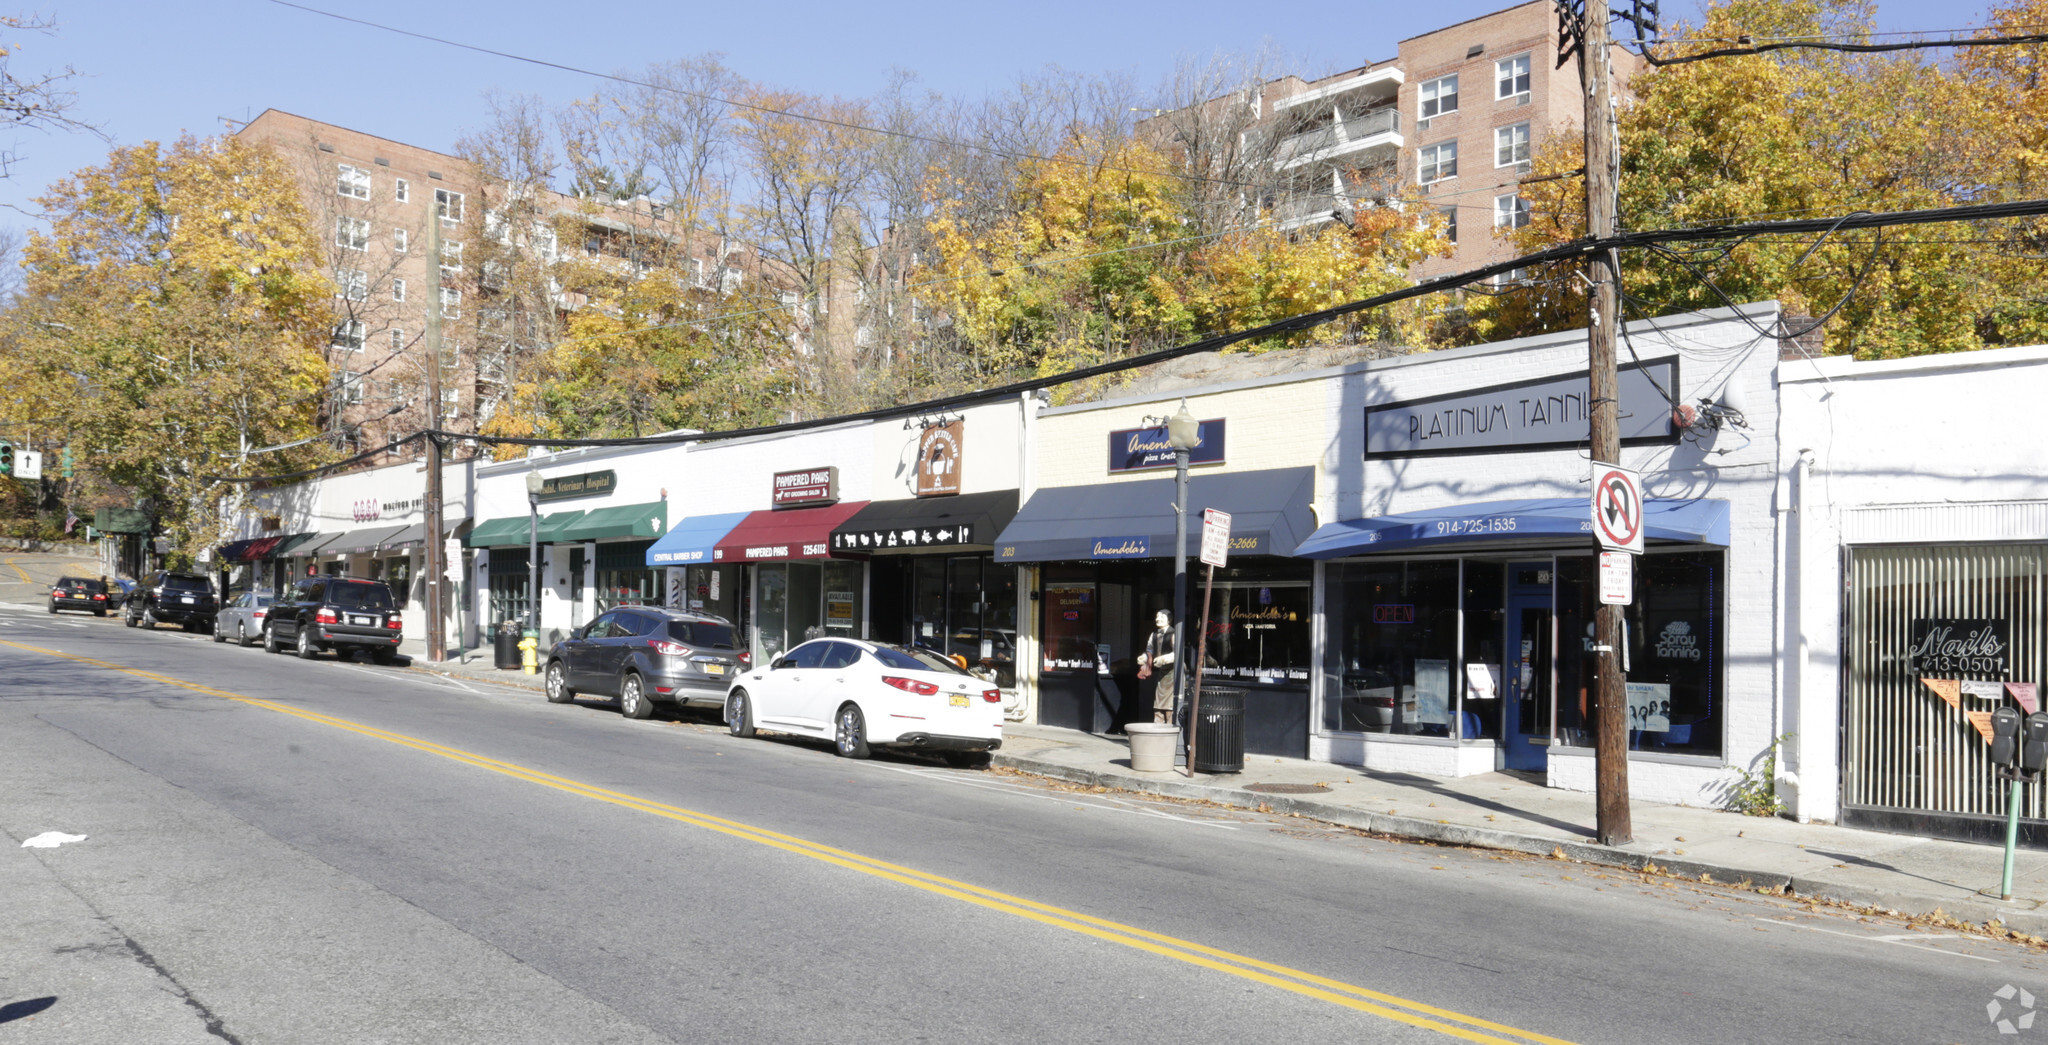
{"x":1531,"y":643}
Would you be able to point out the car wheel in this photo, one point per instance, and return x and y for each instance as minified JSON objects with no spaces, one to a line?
{"x":270,"y":641}
{"x":127,"y":618}
{"x":219,"y":635}
{"x":739,"y":714}
{"x":306,"y":649}
{"x":633,"y":702}
{"x":102,"y":614}
{"x":53,"y":607}
{"x":851,"y":733}
{"x":242,"y":634}
{"x":148,"y":619}
{"x":557,"y":681}
{"x":965,"y":759}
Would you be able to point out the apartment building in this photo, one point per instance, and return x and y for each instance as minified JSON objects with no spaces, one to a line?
{"x":512,"y":264}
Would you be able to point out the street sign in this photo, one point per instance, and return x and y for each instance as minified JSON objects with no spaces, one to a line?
{"x":1617,"y":578}
{"x":1215,"y":537}
{"x":1618,"y":508}
{"x":28,"y":464}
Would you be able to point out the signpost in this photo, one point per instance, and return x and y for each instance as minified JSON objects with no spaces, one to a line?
{"x":1618,"y":508}
{"x":1215,"y":552}
{"x":1617,"y":578}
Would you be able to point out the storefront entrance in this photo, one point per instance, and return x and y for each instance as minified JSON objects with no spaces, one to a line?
{"x":1532,"y":649}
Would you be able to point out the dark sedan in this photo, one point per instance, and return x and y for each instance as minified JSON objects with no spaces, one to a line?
{"x":79,"y":593}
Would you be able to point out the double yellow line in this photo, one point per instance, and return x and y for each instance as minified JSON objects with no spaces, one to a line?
{"x":1321,"y":988}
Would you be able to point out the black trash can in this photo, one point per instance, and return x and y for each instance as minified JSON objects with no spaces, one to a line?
{"x":1219,"y":731}
{"x":508,"y":644}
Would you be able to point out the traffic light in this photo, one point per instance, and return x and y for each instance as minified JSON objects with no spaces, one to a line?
{"x":6,"y":458}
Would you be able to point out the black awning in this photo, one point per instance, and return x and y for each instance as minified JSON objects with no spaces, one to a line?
{"x":968,"y":520}
{"x":1270,"y":514}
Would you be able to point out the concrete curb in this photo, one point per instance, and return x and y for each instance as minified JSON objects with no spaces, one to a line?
{"x":2023,"y":919}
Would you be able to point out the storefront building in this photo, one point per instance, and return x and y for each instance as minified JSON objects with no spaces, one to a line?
{"x":1097,"y":534}
{"x":1915,"y":580}
{"x":1457,"y":587}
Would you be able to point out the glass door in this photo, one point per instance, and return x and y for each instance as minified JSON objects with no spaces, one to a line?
{"x":1531,"y":647}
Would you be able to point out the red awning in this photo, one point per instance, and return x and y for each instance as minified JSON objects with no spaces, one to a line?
{"x":259,"y":548}
{"x":792,"y":533}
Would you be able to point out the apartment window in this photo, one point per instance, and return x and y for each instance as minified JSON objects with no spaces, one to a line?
{"x":1450,"y":215}
{"x":448,"y":204}
{"x":544,"y":241}
{"x":1511,"y":145}
{"x":1511,"y":79}
{"x":697,"y":272}
{"x":497,"y":228}
{"x":352,"y":387}
{"x":348,"y":335}
{"x":451,"y":258}
{"x":729,"y":281}
{"x":352,"y":233}
{"x":353,"y":182}
{"x":399,"y":241}
{"x":397,"y":340}
{"x":1510,"y":212}
{"x":1439,"y":96}
{"x":402,"y":191}
{"x":397,"y":290}
{"x":353,"y":284}
{"x":451,"y":302}
{"x":1512,"y":277}
{"x":1436,"y":162}
{"x":494,"y":274}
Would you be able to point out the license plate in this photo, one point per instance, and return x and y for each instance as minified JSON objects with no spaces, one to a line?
{"x":187,"y":600}
{"x":959,"y":700}
{"x":714,"y":669}
{"x":362,"y":620}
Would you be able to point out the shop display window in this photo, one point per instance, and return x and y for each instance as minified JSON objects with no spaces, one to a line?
{"x":1391,"y":647}
{"x":1675,"y":633}
{"x":398,"y":573}
{"x":965,"y":608}
{"x":510,"y":586}
{"x":1259,"y":628}
{"x":624,"y":578}
{"x":1070,"y":611}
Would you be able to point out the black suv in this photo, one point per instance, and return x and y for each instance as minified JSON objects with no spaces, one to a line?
{"x":643,"y":654}
{"x":337,"y":613}
{"x":79,"y":593}
{"x":165,"y":597}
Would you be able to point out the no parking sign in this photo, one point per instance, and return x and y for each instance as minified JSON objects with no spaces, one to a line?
{"x":1618,"y":508}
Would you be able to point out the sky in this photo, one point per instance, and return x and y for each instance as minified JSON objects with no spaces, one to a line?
{"x":152,"y":69}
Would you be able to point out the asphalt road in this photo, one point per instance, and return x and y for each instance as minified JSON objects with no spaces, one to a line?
{"x":282,"y":851}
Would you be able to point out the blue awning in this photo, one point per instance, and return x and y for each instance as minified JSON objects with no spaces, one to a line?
{"x":691,"y":541}
{"x":1538,"y":520}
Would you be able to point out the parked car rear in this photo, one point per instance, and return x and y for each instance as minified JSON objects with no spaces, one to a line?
{"x":335,"y":613}
{"x":79,"y":593}
{"x":242,"y":618}
{"x":170,"y":597}
{"x":645,"y":655}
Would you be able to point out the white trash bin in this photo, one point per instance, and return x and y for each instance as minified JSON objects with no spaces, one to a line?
{"x":1152,"y":745}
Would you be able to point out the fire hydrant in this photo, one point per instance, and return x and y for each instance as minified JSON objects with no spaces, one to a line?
{"x":529,"y":657}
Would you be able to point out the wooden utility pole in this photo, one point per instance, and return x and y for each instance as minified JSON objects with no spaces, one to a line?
{"x":1603,"y":172}
{"x":437,"y":634}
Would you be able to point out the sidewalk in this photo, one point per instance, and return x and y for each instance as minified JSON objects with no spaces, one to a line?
{"x":1913,"y":876}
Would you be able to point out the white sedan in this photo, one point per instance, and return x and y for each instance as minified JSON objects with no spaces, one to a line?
{"x":864,"y":695}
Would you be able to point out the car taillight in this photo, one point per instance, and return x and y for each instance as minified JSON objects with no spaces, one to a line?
{"x":394,"y":623}
{"x":993,"y":696}
{"x":326,"y":616}
{"x":746,"y":658}
{"x":667,"y":648}
{"x":259,"y":614}
{"x":57,"y":593}
{"x":101,"y":597}
{"x":922,"y":689}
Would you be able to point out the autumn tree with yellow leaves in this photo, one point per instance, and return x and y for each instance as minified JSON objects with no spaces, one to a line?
{"x":172,"y":324}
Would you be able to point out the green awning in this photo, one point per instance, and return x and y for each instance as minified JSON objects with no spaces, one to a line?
{"x":514,"y":530}
{"x":643,"y":521}
{"x":121,"y":520}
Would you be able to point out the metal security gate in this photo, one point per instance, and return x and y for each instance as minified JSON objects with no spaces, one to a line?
{"x":1910,"y":762}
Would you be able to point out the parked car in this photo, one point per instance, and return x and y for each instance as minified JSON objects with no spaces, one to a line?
{"x":645,"y":655}
{"x":242,"y":618}
{"x":169,"y":597}
{"x":335,"y":613}
{"x":863,"y":695}
{"x":79,"y":593}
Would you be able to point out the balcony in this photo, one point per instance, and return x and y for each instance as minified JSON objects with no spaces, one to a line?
{"x":1303,"y":211}
{"x":1378,"y":130}
{"x":1385,"y":83}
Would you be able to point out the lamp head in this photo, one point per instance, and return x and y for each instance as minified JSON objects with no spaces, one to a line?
{"x":1182,"y":430}
{"x":534,"y":483}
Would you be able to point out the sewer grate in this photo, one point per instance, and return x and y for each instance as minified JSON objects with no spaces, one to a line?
{"x":1288,"y":789}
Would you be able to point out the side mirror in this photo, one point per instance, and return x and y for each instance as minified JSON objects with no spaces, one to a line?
{"x":777,"y":662}
{"x":2005,"y":735}
{"x":2034,"y":742}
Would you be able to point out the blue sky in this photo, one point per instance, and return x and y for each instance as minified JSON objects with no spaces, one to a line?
{"x":153,"y":68}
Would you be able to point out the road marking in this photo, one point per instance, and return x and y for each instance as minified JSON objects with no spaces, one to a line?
{"x":1308,"y":984}
{"x":24,"y":573}
{"x":1895,"y":940}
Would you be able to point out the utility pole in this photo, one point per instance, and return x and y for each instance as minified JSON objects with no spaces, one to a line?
{"x":1603,"y":173}
{"x":437,"y":635}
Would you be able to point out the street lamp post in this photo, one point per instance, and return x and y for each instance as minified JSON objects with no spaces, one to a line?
{"x":533,"y":488}
{"x":1183,"y":432}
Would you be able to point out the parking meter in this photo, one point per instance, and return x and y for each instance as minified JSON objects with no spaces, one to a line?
{"x":2034,"y":742}
{"x":2005,"y":736}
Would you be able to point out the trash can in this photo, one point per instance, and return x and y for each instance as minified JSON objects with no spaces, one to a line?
{"x":507,"y":646}
{"x":1219,"y":731}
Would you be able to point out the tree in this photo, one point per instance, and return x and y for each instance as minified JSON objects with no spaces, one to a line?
{"x":172,"y":323}
{"x":38,"y":100}
{"x":1799,"y":133}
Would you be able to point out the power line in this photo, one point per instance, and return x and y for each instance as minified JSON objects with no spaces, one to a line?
{"x":1828,"y":45}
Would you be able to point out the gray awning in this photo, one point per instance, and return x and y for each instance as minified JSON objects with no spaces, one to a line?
{"x":417,"y":532}
{"x":1270,"y":514}
{"x":364,"y":540}
{"x":318,"y":543}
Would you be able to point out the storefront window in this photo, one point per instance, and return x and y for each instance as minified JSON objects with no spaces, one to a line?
{"x":1070,"y":609}
{"x":399,"y":574}
{"x":509,"y":586}
{"x":799,"y":601}
{"x":1391,"y":647}
{"x":1259,"y":621}
{"x":713,"y":590}
{"x":1674,"y":639}
{"x":965,"y":607}
{"x":624,"y":578}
